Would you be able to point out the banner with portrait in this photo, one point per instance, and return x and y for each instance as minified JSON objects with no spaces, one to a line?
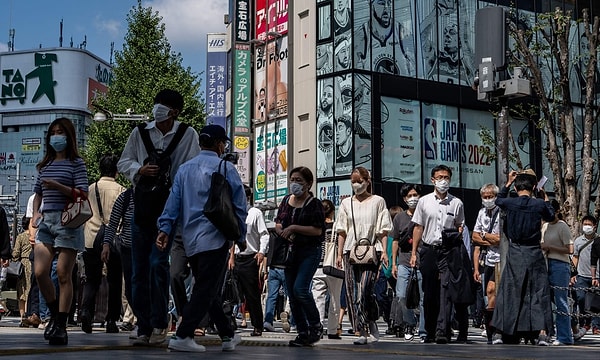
{"x":363,"y":151}
{"x":344,"y":140}
{"x":342,"y":30}
{"x":401,"y":140}
{"x":441,"y":142}
{"x":325,"y":128}
{"x":271,"y":72}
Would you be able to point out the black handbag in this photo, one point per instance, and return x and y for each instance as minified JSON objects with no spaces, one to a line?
{"x":15,"y":269}
{"x":219,"y":206}
{"x":413,"y":296}
{"x":592,"y":300}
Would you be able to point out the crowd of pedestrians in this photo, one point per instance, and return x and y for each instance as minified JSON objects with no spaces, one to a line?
{"x":152,"y":244}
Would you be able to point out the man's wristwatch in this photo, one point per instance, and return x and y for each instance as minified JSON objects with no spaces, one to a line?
{"x":483,"y":235}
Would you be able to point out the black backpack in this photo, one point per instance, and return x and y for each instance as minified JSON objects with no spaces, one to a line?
{"x":151,"y":192}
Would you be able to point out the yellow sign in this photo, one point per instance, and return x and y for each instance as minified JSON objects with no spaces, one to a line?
{"x":242,"y":142}
{"x":31,"y":147}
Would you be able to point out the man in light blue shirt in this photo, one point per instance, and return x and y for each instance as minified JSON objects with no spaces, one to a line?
{"x":205,"y":246}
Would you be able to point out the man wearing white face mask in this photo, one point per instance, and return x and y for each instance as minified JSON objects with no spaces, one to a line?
{"x":437,"y":212}
{"x":150,"y":267}
{"x":486,"y":234}
{"x":582,"y":252}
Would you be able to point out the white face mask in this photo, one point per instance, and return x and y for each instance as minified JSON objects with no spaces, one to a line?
{"x":588,"y":229}
{"x":296,"y":189}
{"x":412,"y":202}
{"x":489,"y":203}
{"x":160,"y":112}
{"x":442,"y":186}
{"x":359,"y":188}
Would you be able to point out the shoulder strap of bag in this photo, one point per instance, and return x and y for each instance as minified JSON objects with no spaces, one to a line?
{"x":99,"y":203}
{"x":145,"y":134}
{"x":587,"y":243}
{"x":222,"y":162}
{"x":176,"y":139}
{"x":126,"y":200}
{"x":494,"y":217}
{"x":353,"y":223}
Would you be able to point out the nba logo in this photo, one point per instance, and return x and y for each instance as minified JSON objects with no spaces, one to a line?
{"x":430,"y":137}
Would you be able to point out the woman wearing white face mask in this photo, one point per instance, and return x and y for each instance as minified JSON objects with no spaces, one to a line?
{"x":401,"y":250}
{"x":362,"y":216}
{"x":301,"y":221}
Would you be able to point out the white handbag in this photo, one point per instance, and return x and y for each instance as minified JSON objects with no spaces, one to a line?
{"x":76,"y":212}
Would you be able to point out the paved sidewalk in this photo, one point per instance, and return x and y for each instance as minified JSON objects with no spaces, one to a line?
{"x":29,"y":341}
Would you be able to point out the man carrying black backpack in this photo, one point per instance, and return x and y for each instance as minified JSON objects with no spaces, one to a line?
{"x":150,"y":159}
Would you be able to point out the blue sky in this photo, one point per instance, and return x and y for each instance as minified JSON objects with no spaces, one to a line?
{"x":38,"y":22}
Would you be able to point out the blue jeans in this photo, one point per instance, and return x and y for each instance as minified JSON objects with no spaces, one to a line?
{"x":275,"y":280}
{"x":559,"y":275}
{"x":150,"y":279}
{"x":44,"y":311}
{"x":298,"y":278}
{"x":408,"y":315}
{"x":585,"y":282}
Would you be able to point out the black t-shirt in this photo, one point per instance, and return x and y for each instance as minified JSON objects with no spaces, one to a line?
{"x":402,"y":232}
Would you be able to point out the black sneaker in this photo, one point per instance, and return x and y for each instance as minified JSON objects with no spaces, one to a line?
{"x":440,"y":338}
{"x":111,"y":327}
{"x":50,"y":328}
{"x":86,"y":322}
{"x":315,"y":334}
{"x":299,"y":341}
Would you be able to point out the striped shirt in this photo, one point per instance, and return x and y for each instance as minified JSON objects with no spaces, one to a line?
{"x":69,"y":173}
{"x":118,"y":219}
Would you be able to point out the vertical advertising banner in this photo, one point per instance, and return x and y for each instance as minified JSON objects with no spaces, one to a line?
{"x":271,"y":16}
{"x":241,"y":146}
{"x":441,"y":140}
{"x":477,"y":167}
{"x":242,"y":20}
{"x":270,"y":161}
{"x":401,"y":151}
{"x":242,"y":90}
{"x":216,"y":78}
{"x":270,"y":79}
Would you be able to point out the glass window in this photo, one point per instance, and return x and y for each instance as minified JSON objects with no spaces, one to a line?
{"x":324,"y":22}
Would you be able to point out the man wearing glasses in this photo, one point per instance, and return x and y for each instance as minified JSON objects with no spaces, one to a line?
{"x":435,"y":213}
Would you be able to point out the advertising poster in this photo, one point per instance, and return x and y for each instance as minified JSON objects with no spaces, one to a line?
{"x":270,"y":161}
{"x":325,"y":130}
{"x":342,"y":30}
{"x":401,"y":136}
{"x":477,"y":168}
{"x":334,"y":191}
{"x":362,"y":121}
{"x":216,"y":78}
{"x":271,"y":16}
{"x":241,"y":146}
{"x":384,"y":37}
{"x":344,"y":140}
{"x":242,"y":90}
{"x":441,"y":140}
{"x":271,"y":72}
{"x":242,"y":20}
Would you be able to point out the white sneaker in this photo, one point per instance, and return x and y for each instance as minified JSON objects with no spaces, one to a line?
{"x":285,"y":324}
{"x":141,"y":340}
{"x":229,"y":343}
{"x":484,"y":333}
{"x":409,"y":336}
{"x":158,"y":336}
{"x":372,"y":339}
{"x":269,"y":327}
{"x":186,"y":344}
{"x":361,"y":341}
{"x":497,"y":339}
{"x":543,"y":340}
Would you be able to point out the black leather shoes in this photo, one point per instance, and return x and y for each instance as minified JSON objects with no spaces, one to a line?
{"x":111,"y":327}
{"x":86,"y":322}
{"x":50,"y":328}
{"x":58,"y":336}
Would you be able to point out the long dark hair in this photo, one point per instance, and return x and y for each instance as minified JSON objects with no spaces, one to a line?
{"x":72,"y":152}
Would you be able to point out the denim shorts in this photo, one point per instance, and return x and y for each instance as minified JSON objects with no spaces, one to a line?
{"x":51,"y":232}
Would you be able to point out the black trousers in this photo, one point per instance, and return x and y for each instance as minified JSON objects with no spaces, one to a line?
{"x":437,"y":305}
{"x":179,"y":271}
{"x":126,"y":264}
{"x":93,"y":273}
{"x":208,"y":268}
{"x":246,"y":272}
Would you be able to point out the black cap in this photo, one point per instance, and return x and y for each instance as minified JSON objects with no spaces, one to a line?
{"x":215,"y":131}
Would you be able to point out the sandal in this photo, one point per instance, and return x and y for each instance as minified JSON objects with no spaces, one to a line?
{"x":199,"y":332}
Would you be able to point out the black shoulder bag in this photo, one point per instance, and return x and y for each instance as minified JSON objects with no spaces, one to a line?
{"x":219,"y":206}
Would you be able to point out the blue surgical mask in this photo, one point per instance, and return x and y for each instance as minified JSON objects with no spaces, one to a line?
{"x":296,"y":189}
{"x":160,"y":112}
{"x":58,"y":142}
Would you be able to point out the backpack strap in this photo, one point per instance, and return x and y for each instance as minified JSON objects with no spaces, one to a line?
{"x":99,"y":203}
{"x":145,"y":134}
{"x":176,"y":139}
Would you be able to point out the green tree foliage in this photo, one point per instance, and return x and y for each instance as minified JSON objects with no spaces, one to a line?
{"x":144,"y":66}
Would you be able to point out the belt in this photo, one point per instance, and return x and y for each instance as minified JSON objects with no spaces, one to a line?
{"x":436,"y":246}
{"x":245,"y":256}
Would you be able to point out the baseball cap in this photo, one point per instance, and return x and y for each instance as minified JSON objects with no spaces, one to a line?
{"x":214,"y":131}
